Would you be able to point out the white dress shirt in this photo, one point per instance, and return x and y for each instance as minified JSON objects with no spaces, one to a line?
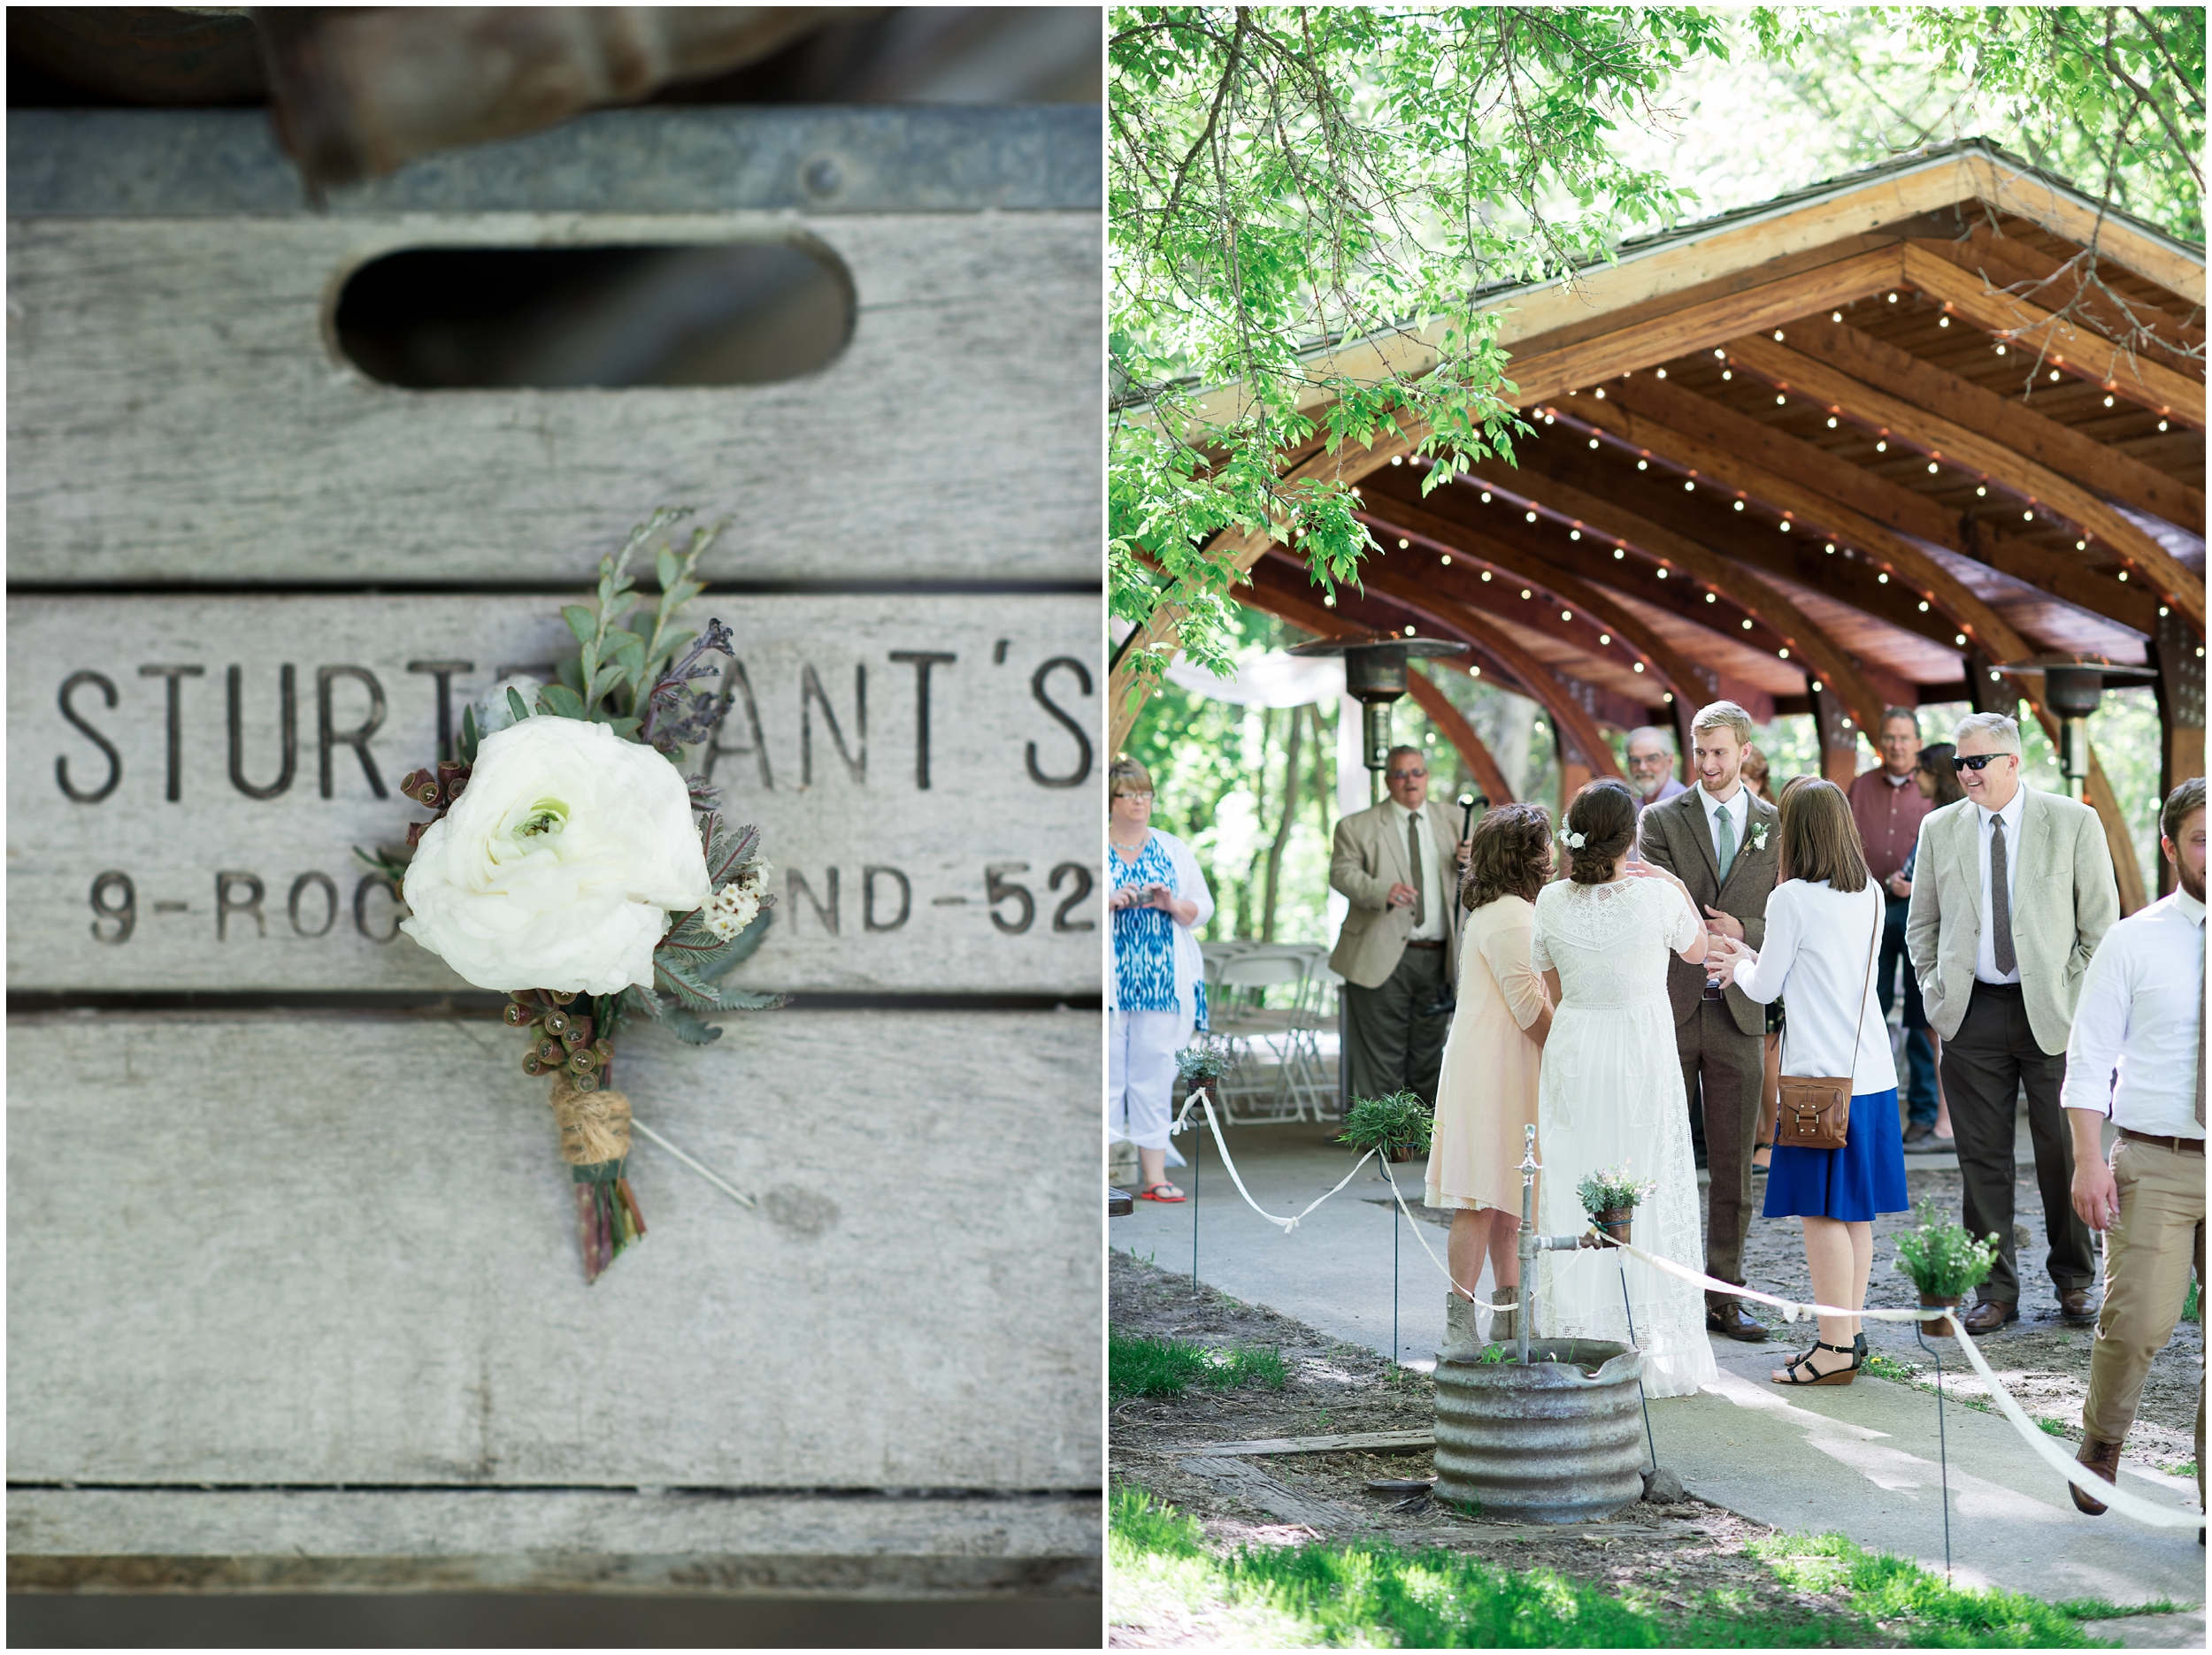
{"x":1820,"y":952}
{"x":1443,"y":873}
{"x":1738,"y":809}
{"x":2133,"y":1051}
{"x":1986,"y":951}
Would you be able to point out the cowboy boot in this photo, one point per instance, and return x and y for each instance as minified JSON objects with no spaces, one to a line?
{"x":2104,"y":1460}
{"x":1505,"y":1323}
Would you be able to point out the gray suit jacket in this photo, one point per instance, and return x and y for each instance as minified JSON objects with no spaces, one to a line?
{"x":1676,"y":836}
{"x":1367,"y":857}
{"x":2064,"y":899}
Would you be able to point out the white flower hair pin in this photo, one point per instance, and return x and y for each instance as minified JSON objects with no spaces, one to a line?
{"x":1571,"y":839}
{"x":571,"y":863}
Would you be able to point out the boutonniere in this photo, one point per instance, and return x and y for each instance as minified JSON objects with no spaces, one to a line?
{"x":1758,"y":836}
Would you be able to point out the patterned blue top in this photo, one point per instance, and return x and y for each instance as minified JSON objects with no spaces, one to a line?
{"x":1144,"y":938}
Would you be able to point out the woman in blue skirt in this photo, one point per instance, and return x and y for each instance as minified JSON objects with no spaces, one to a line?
{"x":1823,"y":933}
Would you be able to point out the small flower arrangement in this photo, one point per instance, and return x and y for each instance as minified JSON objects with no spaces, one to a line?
{"x":570,"y":863}
{"x":1611,"y":1190}
{"x":1758,"y":836}
{"x":1571,"y":839}
{"x":1202,"y":1061}
{"x":1942,"y":1260}
{"x":1396,"y":1126}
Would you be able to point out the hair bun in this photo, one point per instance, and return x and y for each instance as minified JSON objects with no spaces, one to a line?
{"x":1601,"y":825}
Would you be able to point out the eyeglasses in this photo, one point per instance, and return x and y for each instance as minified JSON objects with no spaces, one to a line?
{"x":1644,"y":760}
{"x":1405,"y":776}
{"x":1147,"y":797}
{"x":1978,"y":762}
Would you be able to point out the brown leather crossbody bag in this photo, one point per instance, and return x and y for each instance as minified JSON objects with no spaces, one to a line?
{"x":1815,"y":1112}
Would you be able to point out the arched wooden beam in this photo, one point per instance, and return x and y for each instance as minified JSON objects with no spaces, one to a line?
{"x":1479,"y":629}
{"x":2093,"y":464}
{"x":1845,"y":487}
{"x":2135,"y":378}
{"x":2005,"y":260}
{"x":1674,"y":670}
{"x":1984,"y":627}
{"x":1326,"y":623}
{"x":1429,"y":696}
{"x":1818,"y":653}
{"x":1792,"y":369}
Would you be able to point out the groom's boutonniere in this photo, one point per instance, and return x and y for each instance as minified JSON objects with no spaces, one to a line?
{"x":1758,"y":836}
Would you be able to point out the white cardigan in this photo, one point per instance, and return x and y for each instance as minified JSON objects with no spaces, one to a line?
{"x":1190,"y":964}
{"x":1817,"y":955}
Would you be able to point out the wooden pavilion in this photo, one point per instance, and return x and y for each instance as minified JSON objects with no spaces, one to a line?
{"x":1873,"y":443}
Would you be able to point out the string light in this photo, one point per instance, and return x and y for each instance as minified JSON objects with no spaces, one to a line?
{"x":1662,"y":571}
{"x":1448,"y":560}
{"x":1784,"y":526}
{"x":1781,"y":402}
{"x":1639,"y":666}
{"x":1402,"y":545}
{"x":1618,"y":554}
{"x":2027,"y":516}
{"x":1747,"y":624}
{"x":1979,"y":490}
{"x":2108,"y":402}
{"x":1892,"y":298}
{"x":1662,"y":374}
{"x":1328,"y":599}
{"x":1605,"y":638}
{"x":1830,"y":549}
{"x":1485,"y":496}
{"x":1959,"y":638}
{"x":2054,"y":376}
{"x":1882,"y":578}
{"x":2001,"y":350}
{"x":1643,"y":465}
{"x":1474,"y":673}
{"x":1531,"y":516}
{"x":1397,"y":459}
{"x":1727,"y":374}
{"x":1687,"y":487}
{"x":1782,"y":654}
{"x":1739,"y":505}
{"x":1524,"y":592}
{"x":1943,"y":321}
{"x":1709,"y":598}
{"x":2162,"y":425}
{"x":1881,"y":447}
{"x":1923,"y":605}
{"x":1832,"y":422}
{"x":1574,"y":534}
{"x":1485,"y":574}
{"x":1932,"y":468}
{"x":2124,"y":574}
{"x":1566,"y":614}
{"x":1601,"y":394}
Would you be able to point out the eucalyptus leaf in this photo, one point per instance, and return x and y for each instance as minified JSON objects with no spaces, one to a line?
{"x":580,"y":621}
{"x":515,"y":705}
{"x":561,"y":701}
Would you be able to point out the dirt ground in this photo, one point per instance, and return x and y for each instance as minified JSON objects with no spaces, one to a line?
{"x":1682,"y":1550}
{"x":2042,"y":1361}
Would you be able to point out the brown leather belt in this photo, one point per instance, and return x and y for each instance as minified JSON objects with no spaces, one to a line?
{"x":2179,"y":1146}
{"x":1424,"y":945}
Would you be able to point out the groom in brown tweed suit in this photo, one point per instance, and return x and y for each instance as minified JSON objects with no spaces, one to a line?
{"x":1721,"y":842}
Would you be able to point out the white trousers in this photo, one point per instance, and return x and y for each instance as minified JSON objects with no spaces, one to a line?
{"x":1140,"y":1047}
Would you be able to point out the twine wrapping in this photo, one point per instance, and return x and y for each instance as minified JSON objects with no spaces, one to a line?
{"x":595,"y":1126}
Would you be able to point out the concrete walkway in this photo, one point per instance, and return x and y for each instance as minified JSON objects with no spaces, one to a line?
{"x":1862,"y":1459}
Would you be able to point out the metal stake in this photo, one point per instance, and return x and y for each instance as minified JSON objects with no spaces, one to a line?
{"x":1393,"y":1271}
{"x":1943,"y":1447}
{"x":1197,"y":1161}
{"x":1640,"y":1396}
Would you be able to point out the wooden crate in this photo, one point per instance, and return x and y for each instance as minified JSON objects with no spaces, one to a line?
{"x":293,"y":1292}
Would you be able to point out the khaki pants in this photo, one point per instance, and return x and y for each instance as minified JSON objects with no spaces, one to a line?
{"x":2149,"y":1254}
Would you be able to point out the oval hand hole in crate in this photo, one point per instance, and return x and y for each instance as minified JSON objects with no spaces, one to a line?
{"x":451,"y":318}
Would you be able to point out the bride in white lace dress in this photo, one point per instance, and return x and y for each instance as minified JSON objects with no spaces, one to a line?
{"x":1611,"y":1092}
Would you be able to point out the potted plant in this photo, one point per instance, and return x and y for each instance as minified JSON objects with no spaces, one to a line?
{"x":1610,"y":1196}
{"x":1201,"y":1065}
{"x":1398,"y":1127}
{"x":1944,"y":1262}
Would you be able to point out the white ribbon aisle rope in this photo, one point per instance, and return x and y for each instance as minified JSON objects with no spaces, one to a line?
{"x":2090,"y":1483}
{"x":1284,"y":1224}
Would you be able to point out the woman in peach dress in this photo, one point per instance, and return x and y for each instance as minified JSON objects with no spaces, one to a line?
{"x":1485,"y":1097}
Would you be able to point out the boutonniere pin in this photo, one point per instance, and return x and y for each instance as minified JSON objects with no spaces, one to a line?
{"x":1758,"y":836}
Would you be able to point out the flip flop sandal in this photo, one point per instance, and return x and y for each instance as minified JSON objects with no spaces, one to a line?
{"x":1145,"y":1194}
{"x":1836,"y":1377}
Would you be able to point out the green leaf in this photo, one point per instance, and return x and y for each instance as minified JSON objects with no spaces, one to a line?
{"x":515,"y":706}
{"x":468,"y":734}
{"x":740,"y":948}
{"x":580,"y":620}
{"x":561,"y":701}
{"x":665,"y":565}
{"x":690,"y":1029}
{"x":607,"y":678}
{"x":571,"y":672}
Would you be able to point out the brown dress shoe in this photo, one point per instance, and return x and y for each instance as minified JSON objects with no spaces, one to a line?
{"x":1989,"y":1315}
{"x":2104,"y":1460}
{"x":2074,"y":1306}
{"x":1728,"y":1316}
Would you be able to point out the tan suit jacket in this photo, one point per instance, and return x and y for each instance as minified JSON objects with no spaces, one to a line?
{"x":1369,"y":856}
{"x":1677,"y":836}
{"x":2063,"y":901}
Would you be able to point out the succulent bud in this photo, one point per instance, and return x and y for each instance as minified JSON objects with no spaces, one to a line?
{"x":580,"y":1063}
{"x":517,"y":1015}
{"x":556,"y":1022}
{"x":423,"y":788}
{"x":531,"y":1065}
{"x":550,"y":1053}
{"x":575,"y":1037}
{"x":414,"y":834}
{"x":561,"y":997}
{"x":585,"y":1082}
{"x":603,"y":1050}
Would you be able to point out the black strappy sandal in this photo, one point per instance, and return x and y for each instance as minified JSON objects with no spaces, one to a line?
{"x":1836,"y":1377}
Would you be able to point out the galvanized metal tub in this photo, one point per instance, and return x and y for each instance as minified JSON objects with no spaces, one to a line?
{"x":1559,"y":1441}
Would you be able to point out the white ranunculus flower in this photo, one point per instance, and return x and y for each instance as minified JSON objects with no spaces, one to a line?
{"x":560,"y":864}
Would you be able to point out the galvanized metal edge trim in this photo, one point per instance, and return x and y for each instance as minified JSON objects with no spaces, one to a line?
{"x":226,"y":164}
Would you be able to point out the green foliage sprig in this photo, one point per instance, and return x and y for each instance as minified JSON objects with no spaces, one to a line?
{"x":1942,"y":1260}
{"x":1610,"y":1188}
{"x":611,"y":678}
{"x":1400,"y":1120}
{"x":1205,"y":1059}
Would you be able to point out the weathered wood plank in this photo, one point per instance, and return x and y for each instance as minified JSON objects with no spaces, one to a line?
{"x":881,"y":882}
{"x":1247,"y":1482}
{"x":339,"y":1248}
{"x":544,"y":1539}
{"x":176,"y":412}
{"x":1346,"y":1441}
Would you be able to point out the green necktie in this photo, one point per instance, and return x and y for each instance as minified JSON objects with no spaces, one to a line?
{"x":1420,"y":873}
{"x":1725,"y":839}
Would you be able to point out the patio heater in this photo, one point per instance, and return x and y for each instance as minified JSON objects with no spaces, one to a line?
{"x":1375,"y":676}
{"x":2072,"y":687}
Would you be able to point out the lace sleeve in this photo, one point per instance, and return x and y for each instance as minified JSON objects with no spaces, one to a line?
{"x":1682,"y":922}
{"x":1538,"y":955}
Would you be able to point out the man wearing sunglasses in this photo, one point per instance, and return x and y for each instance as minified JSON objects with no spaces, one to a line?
{"x":2012,"y":890}
{"x":1398,"y":865}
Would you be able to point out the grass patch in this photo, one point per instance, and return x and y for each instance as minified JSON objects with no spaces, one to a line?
{"x":2181,"y":1468}
{"x":1138,"y":1367}
{"x":1369,"y":1594}
{"x":2103,"y":1609}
